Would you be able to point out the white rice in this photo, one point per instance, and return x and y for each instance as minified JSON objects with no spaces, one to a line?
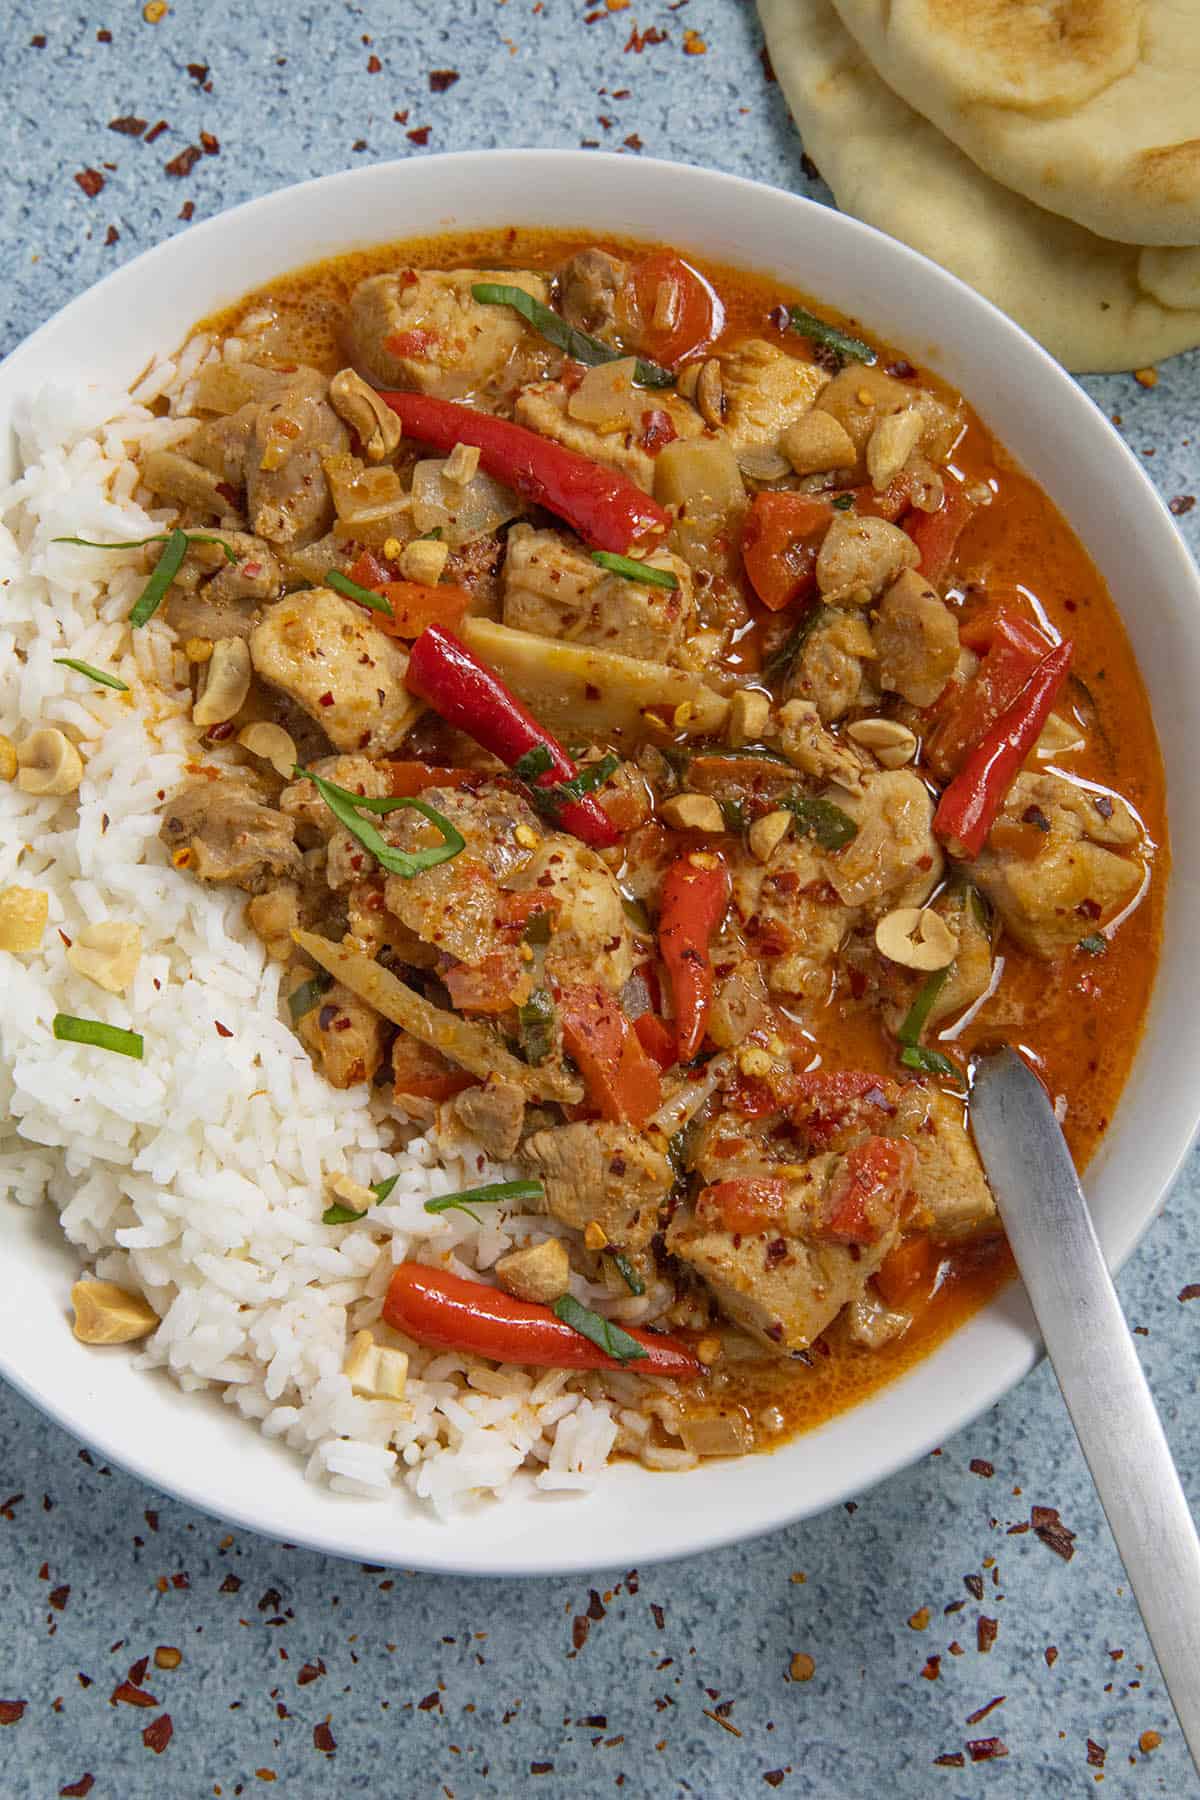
{"x":195,"y":1176}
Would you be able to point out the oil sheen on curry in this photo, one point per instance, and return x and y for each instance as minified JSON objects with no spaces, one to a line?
{"x":665,"y":737}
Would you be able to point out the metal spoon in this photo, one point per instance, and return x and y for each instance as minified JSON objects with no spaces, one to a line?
{"x":1089,"y":1344}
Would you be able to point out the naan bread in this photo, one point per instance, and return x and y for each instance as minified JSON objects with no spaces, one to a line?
{"x":1084,"y":298}
{"x":1090,"y":108}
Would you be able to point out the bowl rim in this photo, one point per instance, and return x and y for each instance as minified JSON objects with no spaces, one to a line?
{"x":1011,"y":1339}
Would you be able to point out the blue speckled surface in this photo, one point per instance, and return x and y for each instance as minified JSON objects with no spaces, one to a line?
{"x":432,"y":1686}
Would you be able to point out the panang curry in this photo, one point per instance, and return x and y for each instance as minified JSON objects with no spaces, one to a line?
{"x":663,"y":736}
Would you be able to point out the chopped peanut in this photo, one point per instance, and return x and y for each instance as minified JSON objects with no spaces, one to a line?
{"x":108,"y":1314}
{"x":23,"y":915}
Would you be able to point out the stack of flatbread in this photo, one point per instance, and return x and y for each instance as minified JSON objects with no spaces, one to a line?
{"x":1046,"y":151}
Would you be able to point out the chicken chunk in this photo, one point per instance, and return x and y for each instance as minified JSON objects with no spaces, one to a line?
{"x":859,"y":557}
{"x":346,"y":1038}
{"x":493,"y":1114}
{"x":539,"y":1272}
{"x":421,"y":328}
{"x":460,"y":905}
{"x":552,"y":587}
{"x":894,"y":860}
{"x":222,"y":831}
{"x":326,"y":655}
{"x":588,"y":285}
{"x":591,"y":937}
{"x":766,"y":390}
{"x":916,"y":639}
{"x":288,"y":500}
{"x":952,"y":1198}
{"x":543,"y":408}
{"x":782,"y":1262}
{"x":830,"y":669}
{"x":791,"y":917}
{"x":606,"y":1174}
{"x":174,"y":476}
{"x":1071,"y":882}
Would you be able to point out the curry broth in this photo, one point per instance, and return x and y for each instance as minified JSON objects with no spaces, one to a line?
{"x":1078,"y":1020}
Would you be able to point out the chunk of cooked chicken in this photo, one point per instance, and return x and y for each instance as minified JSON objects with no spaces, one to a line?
{"x":783,"y":1255}
{"x":288,"y":500}
{"x":916,"y":639}
{"x":221,"y":444}
{"x":176,"y":477}
{"x":791,"y":917}
{"x":552,"y":587}
{"x":830,"y":668}
{"x":542,"y":406}
{"x":222,"y":831}
{"x":591,"y":936}
{"x":539,"y":1272}
{"x":588,"y":285}
{"x":494,"y":1114}
{"x":603,"y":1174}
{"x":859,"y":557}
{"x":345,"y":1037}
{"x":463,"y":906}
{"x":766,"y":390}
{"x":421,"y":328}
{"x":952,"y":1198}
{"x":894,"y":860}
{"x":325,"y":654}
{"x":1058,"y":881}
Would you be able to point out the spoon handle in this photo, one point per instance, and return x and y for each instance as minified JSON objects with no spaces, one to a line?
{"x":1089,"y":1344}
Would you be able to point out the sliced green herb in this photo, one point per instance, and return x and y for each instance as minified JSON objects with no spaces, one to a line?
{"x":843,"y":502}
{"x":364,"y":596}
{"x":347,"y":808}
{"x":302,"y":999}
{"x":165,"y":570}
{"x":1095,"y":944}
{"x":537,"y":928}
{"x":635,"y":571}
{"x":495,"y":1193}
{"x":915,"y":1019}
{"x":435,"y":535}
{"x":157,"y":537}
{"x":628,"y":1273}
{"x":601,"y":1332}
{"x":550,"y":800}
{"x":635,"y":912}
{"x":535,"y":762}
{"x":100,"y":675}
{"x":70,"y":1030}
{"x":340,"y":1214}
{"x":930,"y":1062}
{"x":578,"y":345}
{"x":821,"y":819}
{"x":733,"y":815}
{"x":779,"y":664}
{"x":536,"y":1021}
{"x":381,"y":1189}
{"x":821,"y":332}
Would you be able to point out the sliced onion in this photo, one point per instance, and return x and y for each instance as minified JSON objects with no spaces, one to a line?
{"x":464,"y":512}
{"x":361,"y":495}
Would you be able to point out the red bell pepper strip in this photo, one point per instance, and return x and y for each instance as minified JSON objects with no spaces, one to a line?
{"x":780,"y":541}
{"x":472,"y":697}
{"x":605,"y":508}
{"x":622,"y":1082}
{"x":864,"y":1198}
{"x":448,"y":1312}
{"x":694,"y":898}
{"x":747,"y":1204}
{"x":936,"y":534}
{"x":1013,"y":649}
{"x":657,"y":1039}
{"x":967,"y":809}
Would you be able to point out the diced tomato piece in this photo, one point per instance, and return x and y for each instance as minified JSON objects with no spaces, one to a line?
{"x":678,"y":310}
{"x":864,"y":1201}
{"x":936,"y":534}
{"x":780,"y":541}
{"x":1015,"y":648}
{"x":367,"y":571}
{"x":657,"y":1039}
{"x":906,"y":1273}
{"x":410,"y":343}
{"x":747,"y":1205}
{"x":411,"y":778}
{"x":894,"y":500}
{"x":416,"y":605}
{"x":423,"y":1073}
{"x":828,"y":1101}
{"x":658,"y":430}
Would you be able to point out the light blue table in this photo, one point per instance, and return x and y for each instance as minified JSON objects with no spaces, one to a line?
{"x":464,"y":1689}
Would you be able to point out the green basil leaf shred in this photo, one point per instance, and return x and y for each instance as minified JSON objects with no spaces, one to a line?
{"x":302,"y":999}
{"x":843,"y":502}
{"x":821,"y":332}
{"x":165,"y":571}
{"x":832,"y":828}
{"x":914,"y":1021}
{"x":779,"y":663}
{"x":347,"y":808}
{"x":533,"y":763}
{"x":381,"y":1189}
{"x":602,"y":1332}
{"x":1095,"y":943}
{"x":535,"y":1018}
{"x":628,"y":1273}
{"x":930,"y":1062}
{"x":157,"y":537}
{"x":579,"y":345}
{"x":593,"y":775}
{"x":70,"y":1030}
{"x":338,"y":1214}
{"x":342,"y":584}
{"x":495,"y":1193}
{"x":633,"y":570}
{"x":93,"y":674}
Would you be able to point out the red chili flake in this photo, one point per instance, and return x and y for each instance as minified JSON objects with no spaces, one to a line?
{"x":1096,"y":1754}
{"x":1182,"y":503}
{"x":985,"y":1633}
{"x":401,"y":118}
{"x":158,"y":1734}
{"x":126,"y":1694}
{"x":230,"y":1585}
{"x":1051,"y":1655}
{"x":932,"y":1668}
{"x":78,"y":1790}
{"x":1190,"y":1292}
{"x":441,"y":79}
{"x":429,"y":1702}
{"x":59,"y":1597}
{"x":580,"y":1626}
{"x":210,"y":145}
{"x":156,"y":131}
{"x":773,"y":1777}
{"x":950,"y":1759}
{"x":1054,"y":1534}
{"x":641,"y":40}
{"x":658,"y":430}
{"x":103,"y":36}
{"x":38,"y":42}
{"x":540,"y":1768}
{"x":986,"y":1749}
{"x":137,"y":1673}
{"x":418,"y":135}
{"x":323,"y":1738}
{"x":111,"y":235}
{"x":660,"y":1617}
{"x":310,"y":1672}
{"x":983,"y":1711}
{"x":979,"y":1466}
{"x":11,"y":1711}
{"x":91,"y":181}
{"x":633,"y":142}
{"x":185,"y":162}
{"x":974,"y":1585}
{"x":127,"y":125}
{"x":222,"y":1031}
{"x":198,"y":71}
{"x":595,"y":1605}
{"x":373,"y":65}
{"x":325,"y":700}
{"x":693,"y":43}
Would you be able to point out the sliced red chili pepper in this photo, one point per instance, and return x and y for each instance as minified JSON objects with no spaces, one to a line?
{"x":968,"y":808}
{"x":472,"y":697}
{"x":608,"y":511}
{"x":448,"y":1312}
{"x":694,"y":898}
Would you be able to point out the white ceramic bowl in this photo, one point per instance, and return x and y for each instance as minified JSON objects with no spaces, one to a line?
{"x":196,"y":1448}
